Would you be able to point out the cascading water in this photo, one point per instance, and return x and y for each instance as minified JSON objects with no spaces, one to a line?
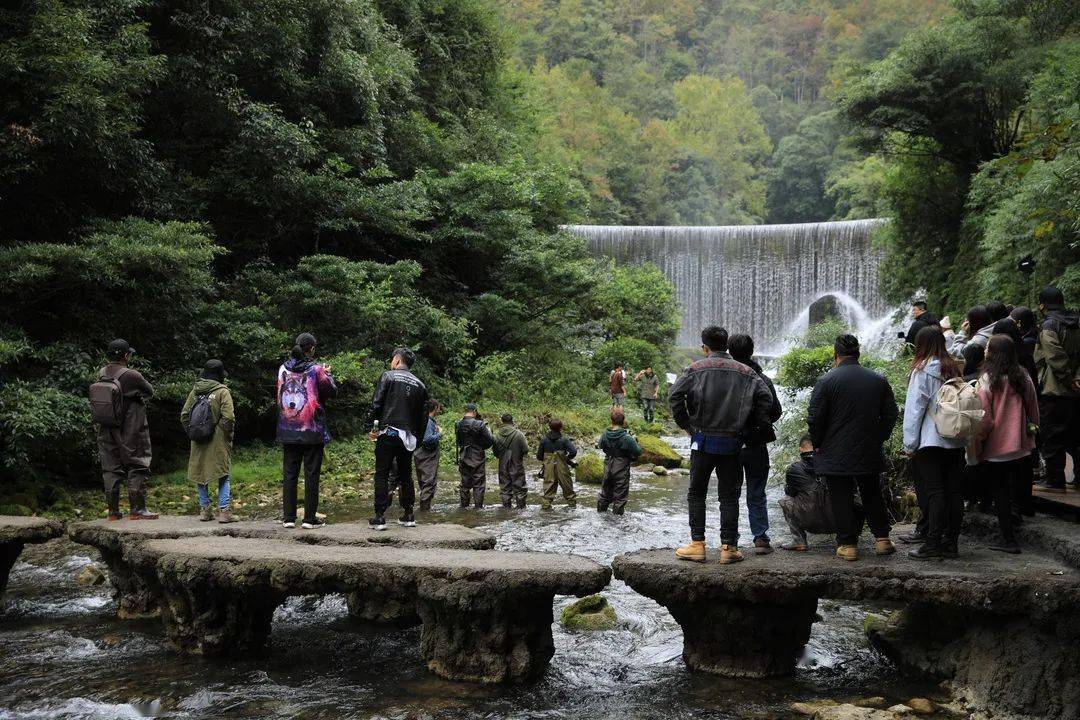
{"x":876,"y":334}
{"x":754,"y":279}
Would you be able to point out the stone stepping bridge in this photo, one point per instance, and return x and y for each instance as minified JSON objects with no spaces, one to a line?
{"x":1004,"y":628}
{"x":17,"y":532}
{"x":486,"y":616}
{"x":121,"y":545}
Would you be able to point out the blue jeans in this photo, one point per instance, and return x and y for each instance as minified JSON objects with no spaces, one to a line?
{"x":224,"y":493}
{"x":755,"y":465}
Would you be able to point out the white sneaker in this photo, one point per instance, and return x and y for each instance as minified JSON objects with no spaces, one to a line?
{"x":407,"y":521}
{"x":288,"y":525}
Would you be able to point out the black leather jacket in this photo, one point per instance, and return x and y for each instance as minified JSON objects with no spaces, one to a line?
{"x":473,"y":432}
{"x":719,"y":396}
{"x":399,"y":402}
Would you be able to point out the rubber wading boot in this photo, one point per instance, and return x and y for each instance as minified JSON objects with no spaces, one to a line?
{"x":695,"y":551}
{"x":884,"y":546}
{"x":730,"y":554}
{"x":113,"y":499}
{"x":138,"y":507}
{"x":521,"y":503}
{"x":425,"y":506}
{"x":225,"y":515}
{"x":847,"y":552}
{"x":206,"y":515}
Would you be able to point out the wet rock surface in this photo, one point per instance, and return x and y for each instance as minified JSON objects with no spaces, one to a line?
{"x":590,"y":613}
{"x":18,"y":531}
{"x":486,"y":616}
{"x":134,"y":579}
{"x":1002,"y":627}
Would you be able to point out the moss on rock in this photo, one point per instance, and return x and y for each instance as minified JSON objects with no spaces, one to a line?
{"x":655,"y":451}
{"x":589,"y":613}
{"x":590,"y":470}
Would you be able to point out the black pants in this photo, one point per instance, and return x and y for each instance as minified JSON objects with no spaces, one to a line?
{"x":1001,"y":479}
{"x":941,"y":473}
{"x":1060,"y":434}
{"x":311,"y":456}
{"x":922,"y":527}
{"x":729,"y":486}
{"x":389,"y":448}
{"x":842,"y":495}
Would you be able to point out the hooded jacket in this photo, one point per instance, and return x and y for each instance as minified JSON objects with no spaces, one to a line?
{"x":555,"y":442}
{"x":510,"y":439}
{"x":720,"y":396}
{"x":302,"y":385}
{"x":210,"y":461}
{"x":920,"y":430}
{"x":618,"y":442}
{"x":1057,"y":354}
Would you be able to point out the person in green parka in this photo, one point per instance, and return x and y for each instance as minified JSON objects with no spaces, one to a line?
{"x":210,"y":460}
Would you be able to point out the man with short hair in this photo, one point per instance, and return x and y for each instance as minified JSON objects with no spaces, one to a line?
{"x":922,"y":319}
{"x":125,"y":450}
{"x":648,"y":390}
{"x":618,"y":385}
{"x":399,"y":422}
{"x":754,"y":457}
{"x":1057,"y":360}
{"x":473,"y":440}
{"x":852,"y":413}
{"x":714,"y":401}
{"x":510,"y":448}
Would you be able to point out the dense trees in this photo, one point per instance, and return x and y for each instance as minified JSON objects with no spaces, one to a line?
{"x":207,"y":180}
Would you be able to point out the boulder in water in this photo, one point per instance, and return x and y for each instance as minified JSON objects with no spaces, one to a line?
{"x":589,"y":613}
{"x":90,"y":575}
{"x":823,"y":308}
{"x":660,"y":470}
{"x":655,"y":451}
{"x":590,"y":470}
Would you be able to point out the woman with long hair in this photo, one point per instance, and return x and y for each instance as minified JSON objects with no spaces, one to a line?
{"x":938,"y":461}
{"x":1008,"y":430}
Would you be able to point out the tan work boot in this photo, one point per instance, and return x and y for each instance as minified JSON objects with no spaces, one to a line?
{"x":695,"y":551}
{"x":206,"y":514}
{"x":730,"y":554}
{"x":225,"y":516}
{"x":884,"y":546}
{"x":847,"y":552}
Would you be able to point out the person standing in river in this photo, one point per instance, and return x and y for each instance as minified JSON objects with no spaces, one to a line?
{"x":620,"y":450}
{"x":648,"y":390}
{"x":399,"y":422}
{"x":302,"y":386}
{"x":473,"y":439}
{"x":556,"y":455}
{"x":210,"y":459}
{"x":852,"y":413}
{"x":1057,"y":360}
{"x":510,"y":448}
{"x":715,"y":400}
{"x":754,"y":457}
{"x":426,"y":457}
{"x":118,"y":407}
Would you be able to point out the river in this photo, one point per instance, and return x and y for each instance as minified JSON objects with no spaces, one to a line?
{"x":63,"y":653}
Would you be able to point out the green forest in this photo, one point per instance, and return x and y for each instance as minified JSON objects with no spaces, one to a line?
{"x":209,"y":179}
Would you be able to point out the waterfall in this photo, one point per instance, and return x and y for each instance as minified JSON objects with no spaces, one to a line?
{"x":753,"y":279}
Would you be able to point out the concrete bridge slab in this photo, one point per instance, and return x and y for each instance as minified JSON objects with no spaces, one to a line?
{"x":16,"y":532}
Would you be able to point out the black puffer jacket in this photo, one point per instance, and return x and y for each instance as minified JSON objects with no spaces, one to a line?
{"x":719,"y":396}
{"x":852,"y":413}
{"x":473,"y":432}
{"x":399,"y":402}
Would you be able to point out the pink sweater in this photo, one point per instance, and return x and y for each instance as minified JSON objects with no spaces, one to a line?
{"x":1004,"y":426}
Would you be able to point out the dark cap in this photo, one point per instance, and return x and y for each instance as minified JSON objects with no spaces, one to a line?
{"x":470,"y":407}
{"x":119,"y":348}
{"x":507,"y":418}
{"x":1052,"y":299}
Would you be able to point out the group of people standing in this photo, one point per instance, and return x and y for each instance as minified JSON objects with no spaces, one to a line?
{"x":648,"y":388}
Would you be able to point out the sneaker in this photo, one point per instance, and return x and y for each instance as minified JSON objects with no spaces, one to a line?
{"x":927,"y":551}
{"x":288,"y":524}
{"x":407,"y":520}
{"x":884,"y":546}
{"x":847,"y":552}
{"x":913,"y":538}
{"x":377,"y":523}
{"x":312,"y":524}
{"x":695,"y":551}
{"x":731,"y":554}
{"x":143,"y":514}
{"x":762,"y":547}
{"x":206,"y":514}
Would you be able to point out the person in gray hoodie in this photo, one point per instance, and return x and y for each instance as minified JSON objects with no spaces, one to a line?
{"x":510,"y":448}
{"x":620,"y":450}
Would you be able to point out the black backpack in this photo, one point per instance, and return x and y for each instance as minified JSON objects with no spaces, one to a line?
{"x":200,"y":426}
{"x":107,"y":400}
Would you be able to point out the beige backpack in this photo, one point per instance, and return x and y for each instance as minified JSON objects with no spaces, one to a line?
{"x":959,"y":410}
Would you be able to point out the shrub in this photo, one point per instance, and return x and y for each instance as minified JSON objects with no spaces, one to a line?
{"x":632,"y":352}
{"x":802,"y":367}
